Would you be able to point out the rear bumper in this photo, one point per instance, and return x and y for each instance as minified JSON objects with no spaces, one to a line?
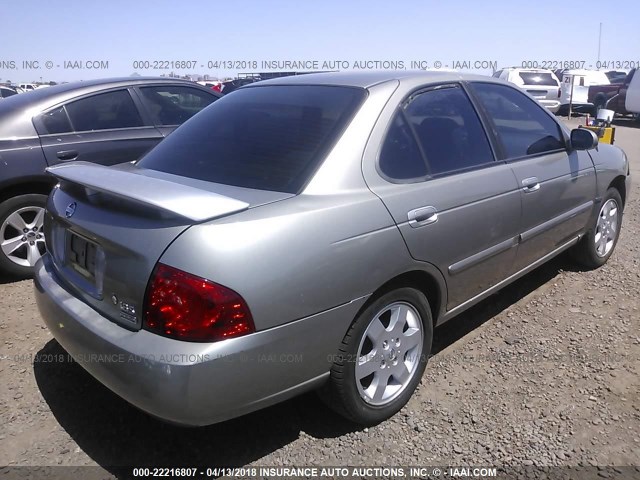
{"x":193,"y":383}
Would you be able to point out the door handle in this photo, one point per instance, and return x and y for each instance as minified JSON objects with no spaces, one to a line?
{"x":530,"y":185}
{"x":67,"y":154}
{"x":422,"y":216}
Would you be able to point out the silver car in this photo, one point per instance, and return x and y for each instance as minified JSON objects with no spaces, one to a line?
{"x":310,"y":232}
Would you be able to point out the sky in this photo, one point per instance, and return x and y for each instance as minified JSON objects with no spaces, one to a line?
{"x":60,"y":40}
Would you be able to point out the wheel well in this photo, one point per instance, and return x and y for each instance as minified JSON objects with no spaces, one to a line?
{"x":419,"y":280}
{"x":42,"y":188}
{"x":618,"y":184}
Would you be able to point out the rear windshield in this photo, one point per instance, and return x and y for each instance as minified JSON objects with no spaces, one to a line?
{"x":538,"y":78}
{"x":268,"y":138}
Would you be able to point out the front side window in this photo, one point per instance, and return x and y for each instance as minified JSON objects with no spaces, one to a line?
{"x":173,"y":105}
{"x":104,"y":111}
{"x":448,"y":130}
{"x":267,"y":138}
{"x":523,"y":126}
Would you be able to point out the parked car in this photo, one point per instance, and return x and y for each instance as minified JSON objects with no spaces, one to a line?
{"x":575,"y":89}
{"x":314,"y":238}
{"x":214,"y":85}
{"x":616,"y":76}
{"x":232,"y":85}
{"x":27,"y":87}
{"x":611,"y":97}
{"x":102,"y":121}
{"x":541,"y":84}
{"x":6,"y":92}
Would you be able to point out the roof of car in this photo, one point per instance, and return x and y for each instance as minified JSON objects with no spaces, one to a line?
{"x":40,"y":99}
{"x":91,"y":85}
{"x":369,"y":78}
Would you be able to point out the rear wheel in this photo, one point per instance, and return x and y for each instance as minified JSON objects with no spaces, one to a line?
{"x":21,"y":236}
{"x":382,"y":357}
{"x":598,"y":244}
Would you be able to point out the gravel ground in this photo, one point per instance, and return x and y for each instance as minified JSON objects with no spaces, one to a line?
{"x":544,"y":373}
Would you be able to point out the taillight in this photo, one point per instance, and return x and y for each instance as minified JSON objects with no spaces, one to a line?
{"x":559,"y":92}
{"x":187,"y":307}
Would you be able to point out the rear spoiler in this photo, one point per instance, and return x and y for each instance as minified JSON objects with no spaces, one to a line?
{"x":189,"y":202}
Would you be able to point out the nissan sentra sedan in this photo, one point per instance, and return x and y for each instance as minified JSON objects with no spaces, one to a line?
{"x":310,"y":232}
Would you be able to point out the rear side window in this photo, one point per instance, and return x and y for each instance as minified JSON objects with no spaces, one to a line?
{"x":400,"y":157}
{"x":104,"y":111}
{"x":268,"y":138}
{"x":522,"y":124}
{"x":56,"y":121}
{"x":449,"y":131}
{"x":174,"y":105}
{"x":538,"y":78}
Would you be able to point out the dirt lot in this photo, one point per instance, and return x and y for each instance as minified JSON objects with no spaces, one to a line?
{"x":544,"y":373}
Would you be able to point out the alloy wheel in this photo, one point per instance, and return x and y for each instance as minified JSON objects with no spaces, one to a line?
{"x":21,"y":236}
{"x":606,"y":228}
{"x":389,"y":353}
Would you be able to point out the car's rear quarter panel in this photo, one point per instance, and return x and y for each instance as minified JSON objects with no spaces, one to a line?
{"x":298,"y":257}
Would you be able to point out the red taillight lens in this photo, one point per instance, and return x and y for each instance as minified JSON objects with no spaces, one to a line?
{"x":187,"y":307}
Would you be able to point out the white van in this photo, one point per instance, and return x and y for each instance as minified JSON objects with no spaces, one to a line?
{"x":541,"y":84}
{"x":581,"y":80}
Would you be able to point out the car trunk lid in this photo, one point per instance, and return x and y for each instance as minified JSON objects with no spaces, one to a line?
{"x":106,"y":228}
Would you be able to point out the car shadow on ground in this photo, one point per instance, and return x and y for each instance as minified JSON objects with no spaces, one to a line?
{"x":626,"y":122}
{"x":113,"y":433}
{"x":6,"y":279}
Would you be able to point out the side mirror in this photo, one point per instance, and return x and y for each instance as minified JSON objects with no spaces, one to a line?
{"x":583,"y":139}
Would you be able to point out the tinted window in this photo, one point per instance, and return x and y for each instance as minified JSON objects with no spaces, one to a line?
{"x":173,"y":105}
{"x":5,"y":92}
{"x":56,"y":121}
{"x":522,"y":124}
{"x":448,"y":129}
{"x":400,"y":157}
{"x":104,"y":111}
{"x":538,"y":78}
{"x":269,"y":138}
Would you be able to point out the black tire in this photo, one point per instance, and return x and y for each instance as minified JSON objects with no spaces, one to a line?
{"x":585,"y":252}
{"x":7,"y":208}
{"x":342,"y":392}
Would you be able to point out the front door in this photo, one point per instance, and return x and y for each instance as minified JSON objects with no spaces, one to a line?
{"x":557,"y":185}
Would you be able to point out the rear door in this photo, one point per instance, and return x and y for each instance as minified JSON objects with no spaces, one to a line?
{"x":557,"y":186}
{"x":105,"y":128}
{"x":455,"y":206}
